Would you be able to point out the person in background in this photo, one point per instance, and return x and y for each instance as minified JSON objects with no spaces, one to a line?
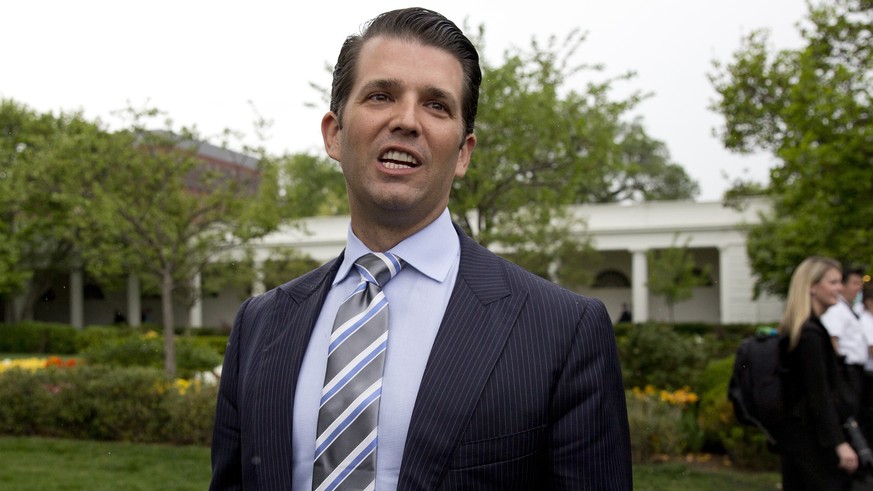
{"x":866,"y":319}
{"x":493,"y":378}
{"x":844,"y":325}
{"x":812,"y":443}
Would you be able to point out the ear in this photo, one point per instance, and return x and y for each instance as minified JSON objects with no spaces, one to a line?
{"x":464,"y":155}
{"x":330,"y":133}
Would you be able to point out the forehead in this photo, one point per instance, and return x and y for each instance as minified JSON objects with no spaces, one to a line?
{"x":409,"y":62}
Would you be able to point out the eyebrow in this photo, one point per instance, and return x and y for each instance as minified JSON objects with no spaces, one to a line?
{"x":430,"y":90}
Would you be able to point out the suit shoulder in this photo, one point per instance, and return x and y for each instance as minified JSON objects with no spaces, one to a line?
{"x":547,"y":292}
{"x":521,"y":276}
{"x":297,"y":289}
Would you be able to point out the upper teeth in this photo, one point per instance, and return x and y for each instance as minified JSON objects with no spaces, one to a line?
{"x":399,"y":157}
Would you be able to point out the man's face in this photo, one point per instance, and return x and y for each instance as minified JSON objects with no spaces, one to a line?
{"x":853,"y":285}
{"x":401,"y":143}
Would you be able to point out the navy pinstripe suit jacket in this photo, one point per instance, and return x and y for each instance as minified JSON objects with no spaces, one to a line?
{"x":522,"y":389}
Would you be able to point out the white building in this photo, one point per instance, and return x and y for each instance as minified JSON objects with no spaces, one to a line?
{"x":622,"y":233}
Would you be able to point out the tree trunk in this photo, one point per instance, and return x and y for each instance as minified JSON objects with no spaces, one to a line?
{"x":169,"y":332}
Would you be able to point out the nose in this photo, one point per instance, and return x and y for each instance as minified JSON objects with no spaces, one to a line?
{"x":405,"y":118}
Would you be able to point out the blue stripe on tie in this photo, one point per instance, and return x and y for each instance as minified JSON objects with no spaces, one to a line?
{"x":353,"y":464}
{"x":365,"y":273}
{"x":360,"y":366}
{"x":362,"y":286}
{"x":394,"y":261}
{"x":357,"y":325}
{"x":349,"y":420}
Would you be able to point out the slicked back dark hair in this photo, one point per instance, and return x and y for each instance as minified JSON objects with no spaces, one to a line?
{"x":415,"y":24}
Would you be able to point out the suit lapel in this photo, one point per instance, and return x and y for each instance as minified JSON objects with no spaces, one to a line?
{"x":477,"y":322}
{"x":286,"y":332}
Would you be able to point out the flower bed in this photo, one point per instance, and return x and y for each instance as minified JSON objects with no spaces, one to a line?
{"x":37,"y":363}
{"x":57,"y":398}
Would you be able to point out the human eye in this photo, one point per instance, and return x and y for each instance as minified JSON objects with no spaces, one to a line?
{"x":378,"y":97}
{"x":438,"y":106}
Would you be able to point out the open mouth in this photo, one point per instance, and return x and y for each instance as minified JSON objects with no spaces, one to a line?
{"x":394,"y":159}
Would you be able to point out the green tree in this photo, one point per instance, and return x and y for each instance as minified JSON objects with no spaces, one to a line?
{"x":311,"y":186}
{"x":544,"y":143}
{"x":46,"y":161}
{"x":673,"y":273}
{"x":159,"y":210}
{"x":285,"y":264}
{"x":810,"y":107}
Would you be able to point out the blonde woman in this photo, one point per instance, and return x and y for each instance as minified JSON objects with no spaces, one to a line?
{"x":812,"y":443}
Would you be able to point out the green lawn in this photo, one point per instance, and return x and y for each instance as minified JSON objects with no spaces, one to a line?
{"x":36,"y":464}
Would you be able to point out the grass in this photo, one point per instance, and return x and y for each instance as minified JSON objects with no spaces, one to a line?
{"x":676,"y":476}
{"x":36,"y":464}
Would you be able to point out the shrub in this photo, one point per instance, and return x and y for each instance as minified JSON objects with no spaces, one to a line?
{"x":217,"y":342}
{"x":133,"y":404}
{"x":655,"y":427}
{"x":656,"y":355}
{"x":147,"y":350}
{"x":95,"y":335}
{"x":37,"y":337}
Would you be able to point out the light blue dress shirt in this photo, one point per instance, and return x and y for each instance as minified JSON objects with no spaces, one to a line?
{"x":417,"y":300}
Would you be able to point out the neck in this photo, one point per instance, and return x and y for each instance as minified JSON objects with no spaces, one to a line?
{"x":380,"y":235}
{"x":818,"y":308}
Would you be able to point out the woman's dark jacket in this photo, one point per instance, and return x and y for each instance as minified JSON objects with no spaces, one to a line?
{"x":816,"y":394}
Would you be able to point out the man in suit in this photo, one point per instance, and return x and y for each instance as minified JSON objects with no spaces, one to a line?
{"x":493,"y":378}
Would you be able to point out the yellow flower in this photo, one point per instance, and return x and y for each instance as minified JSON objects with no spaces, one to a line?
{"x":34,"y":364}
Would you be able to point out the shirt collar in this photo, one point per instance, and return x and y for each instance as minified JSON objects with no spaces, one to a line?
{"x":432,"y":250}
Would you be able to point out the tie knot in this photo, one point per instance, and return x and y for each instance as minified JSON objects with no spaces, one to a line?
{"x":379,"y":267}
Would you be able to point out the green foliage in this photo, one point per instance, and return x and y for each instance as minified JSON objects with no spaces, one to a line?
{"x":102,"y":403}
{"x":811,"y":108}
{"x":184,"y":213}
{"x":653,"y":354}
{"x":545,"y":141}
{"x":45,"y":166}
{"x":655,"y":428}
{"x":138,"y":350}
{"x":236,"y":275}
{"x":38,"y":337}
{"x":96,"y":335}
{"x":674,"y":274}
{"x":215,"y":342}
{"x":313,"y":186}
{"x":286,"y":264}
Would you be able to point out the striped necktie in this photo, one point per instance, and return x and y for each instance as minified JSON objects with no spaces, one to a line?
{"x":345,"y":454}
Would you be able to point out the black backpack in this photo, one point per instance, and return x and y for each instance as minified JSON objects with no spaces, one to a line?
{"x":757,"y":383}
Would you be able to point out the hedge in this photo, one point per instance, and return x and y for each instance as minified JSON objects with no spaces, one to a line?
{"x":106,"y":403}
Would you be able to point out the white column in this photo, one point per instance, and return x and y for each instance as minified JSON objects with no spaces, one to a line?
{"x":195,"y":314}
{"x":725,"y":281}
{"x":258,"y":285}
{"x":77,"y":298}
{"x":639,"y":285}
{"x":134,"y":305}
